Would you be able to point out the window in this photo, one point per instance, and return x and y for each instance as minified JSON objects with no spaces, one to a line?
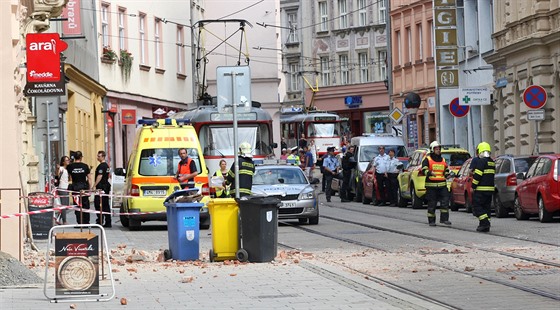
{"x":324,"y":15}
{"x":409,"y":43}
{"x":105,"y":24}
{"x":164,"y":161}
{"x":398,"y":49}
{"x":382,"y":63}
{"x":292,"y":23}
{"x":362,"y":13}
{"x":325,"y":71}
{"x":431,"y":37}
{"x":294,"y":77}
{"x":364,"y":67}
{"x":157,"y":40}
{"x":343,"y":20}
{"x":142,"y":38}
{"x":382,"y":12}
{"x":122,"y":29}
{"x":420,"y":42}
{"x":180,"y":50}
{"x":344,"y":74}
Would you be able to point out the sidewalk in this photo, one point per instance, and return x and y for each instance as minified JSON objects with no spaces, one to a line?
{"x":292,"y":281}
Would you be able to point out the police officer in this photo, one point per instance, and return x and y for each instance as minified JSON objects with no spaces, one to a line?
{"x":186,"y":170}
{"x":78,"y":173}
{"x":393,"y":165}
{"x":436,"y":171}
{"x":483,"y":186}
{"x":246,"y":172}
{"x":380,"y":164}
{"x":330,"y":169}
{"x":101,"y":203}
{"x":348,"y":163}
{"x":293,"y":158}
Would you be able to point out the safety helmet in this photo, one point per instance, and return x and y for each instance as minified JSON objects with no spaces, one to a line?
{"x":245,"y":149}
{"x":484,"y":149}
{"x":433,"y":145}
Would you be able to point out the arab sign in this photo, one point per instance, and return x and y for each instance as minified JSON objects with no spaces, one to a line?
{"x":474,"y":96}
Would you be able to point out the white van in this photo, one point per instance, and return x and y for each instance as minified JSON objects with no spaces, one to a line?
{"x":366,"y":148}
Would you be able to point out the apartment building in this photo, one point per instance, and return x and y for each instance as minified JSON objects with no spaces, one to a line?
{"x":337,"y":49}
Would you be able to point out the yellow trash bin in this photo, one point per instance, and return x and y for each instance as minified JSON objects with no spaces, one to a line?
{"x":224,"y":216}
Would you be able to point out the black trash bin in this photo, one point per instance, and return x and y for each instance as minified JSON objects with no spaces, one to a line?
{"x":259,"y":228}
{"x":41,"y":223}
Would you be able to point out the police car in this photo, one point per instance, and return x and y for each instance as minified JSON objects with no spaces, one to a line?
{"x":289,"y":184}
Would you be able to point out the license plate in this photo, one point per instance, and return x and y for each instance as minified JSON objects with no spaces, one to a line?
{"x":288,"y":205}
{"x":155,"y":192}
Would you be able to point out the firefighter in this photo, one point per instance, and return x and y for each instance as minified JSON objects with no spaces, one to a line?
{"x":483,"y":186}
{"x":246,"y":172}
{"x":436,"y":171}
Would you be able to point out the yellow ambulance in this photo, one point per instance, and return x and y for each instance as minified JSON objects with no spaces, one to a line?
{"x":152,"y":168}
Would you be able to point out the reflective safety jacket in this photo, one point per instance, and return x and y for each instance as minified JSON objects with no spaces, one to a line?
{"x":184,"y":168}
{"x":483,"y":175}
{"x":293,"y":159}
{"x":246,"y":172}
{"x":436,"y":171}
{"x":222,"y":192}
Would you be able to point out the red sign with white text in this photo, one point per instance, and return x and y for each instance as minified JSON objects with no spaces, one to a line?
{"x":43,"y":57}
{"x":128,"y":117}
{"x":73,"y":26}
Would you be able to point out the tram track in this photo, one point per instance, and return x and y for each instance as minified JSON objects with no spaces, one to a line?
{"x":490,"y":279}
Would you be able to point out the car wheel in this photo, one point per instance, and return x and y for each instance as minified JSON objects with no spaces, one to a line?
{"x":401,"y":202}
{"x":499,"y":208}
{"x":366,"y":200}
{"x":416,"y":201}
{"x":468,"y":204}
{"x":544,"y":215}
{"x":314,"y":220}
{"x":124,"y":218}
{"x":518,"y":210}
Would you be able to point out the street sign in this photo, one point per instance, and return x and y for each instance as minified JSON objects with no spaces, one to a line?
{"x":534,"y":96}
{"x":458,"y":110}
{"x":396,"y":115}
{"x":447,"y":78}
{"x":535,"y":115}
{"x":475,"y":96}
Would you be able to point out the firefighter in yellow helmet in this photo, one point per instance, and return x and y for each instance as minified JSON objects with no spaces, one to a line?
{"x":483,"y":186}
{"x":246,"y":172}
{"x":436,"y":171}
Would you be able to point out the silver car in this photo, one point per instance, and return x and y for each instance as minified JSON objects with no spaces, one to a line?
{"x":290,"y":185}
{"x":505,"y":180}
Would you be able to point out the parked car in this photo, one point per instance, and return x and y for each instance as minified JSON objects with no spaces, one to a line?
{"x":507,"y":169}
{"x":290,"y":185}
{"x":461,"y":190}
{"x":371,"y":193}
{"x":539,"y":192}
{"x":411,"y":180}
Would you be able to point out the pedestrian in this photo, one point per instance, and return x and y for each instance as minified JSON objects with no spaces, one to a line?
{"x":348,"y":164}
{"x":284,"y":155}
{"x":302,"y":159}
{"x":302,"y":142}
{"x":313,"y":149}
{"x":186,"y":170}
{"x":483,"y":186}
{"x":322,"y":169}
{"x":222,"y":191}
{"x":436,"y":171}
{"x":63,"y":186}
{"x":380,"y":164}
{"x":331,"y":170}
{"x":393,"y":165}
{"x":283,"y":144}
{"x":78,"y":173}
{"x":309,"y":163}
{"x":101,"y":202}
{"x":246,"y":172}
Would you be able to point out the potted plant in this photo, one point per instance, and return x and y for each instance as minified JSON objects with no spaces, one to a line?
{"x":126,"y":64}
{"x":108,"y":55}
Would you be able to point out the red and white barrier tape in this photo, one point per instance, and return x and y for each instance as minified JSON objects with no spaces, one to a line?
{"x":75,"y":208}
{"x":35,"y":212}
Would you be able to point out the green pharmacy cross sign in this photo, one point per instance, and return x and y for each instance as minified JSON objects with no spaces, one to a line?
{"x":466,"y":99}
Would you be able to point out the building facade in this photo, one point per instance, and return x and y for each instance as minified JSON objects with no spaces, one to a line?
{"x":335,"y":59}
{"x":526,"y":52}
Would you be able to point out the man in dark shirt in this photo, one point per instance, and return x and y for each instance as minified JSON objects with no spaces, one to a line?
{"x":302,"y":143}
{"x":79,"y":176}
{"x":186,"y":170}
{"x":348,"y":164}
{"x":101,"y":203}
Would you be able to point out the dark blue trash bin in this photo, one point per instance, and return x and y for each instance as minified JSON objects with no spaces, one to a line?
{"x":183,"y":220}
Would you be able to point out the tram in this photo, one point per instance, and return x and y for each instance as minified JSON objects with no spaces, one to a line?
{"x":215,"y":133}
{"x":321,"y":127}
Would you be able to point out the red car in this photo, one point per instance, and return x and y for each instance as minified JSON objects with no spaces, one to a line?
{"x":461,"y":190}
{"x":539,"y":193}
{"x":369,"y":183}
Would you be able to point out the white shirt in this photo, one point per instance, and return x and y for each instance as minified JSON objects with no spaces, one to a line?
{"x":392,"y":164}
{"x":380,"y":163}
{"x":63,"y":182}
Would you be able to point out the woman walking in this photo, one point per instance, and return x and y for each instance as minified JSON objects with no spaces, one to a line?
{"x":63,"y":186}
